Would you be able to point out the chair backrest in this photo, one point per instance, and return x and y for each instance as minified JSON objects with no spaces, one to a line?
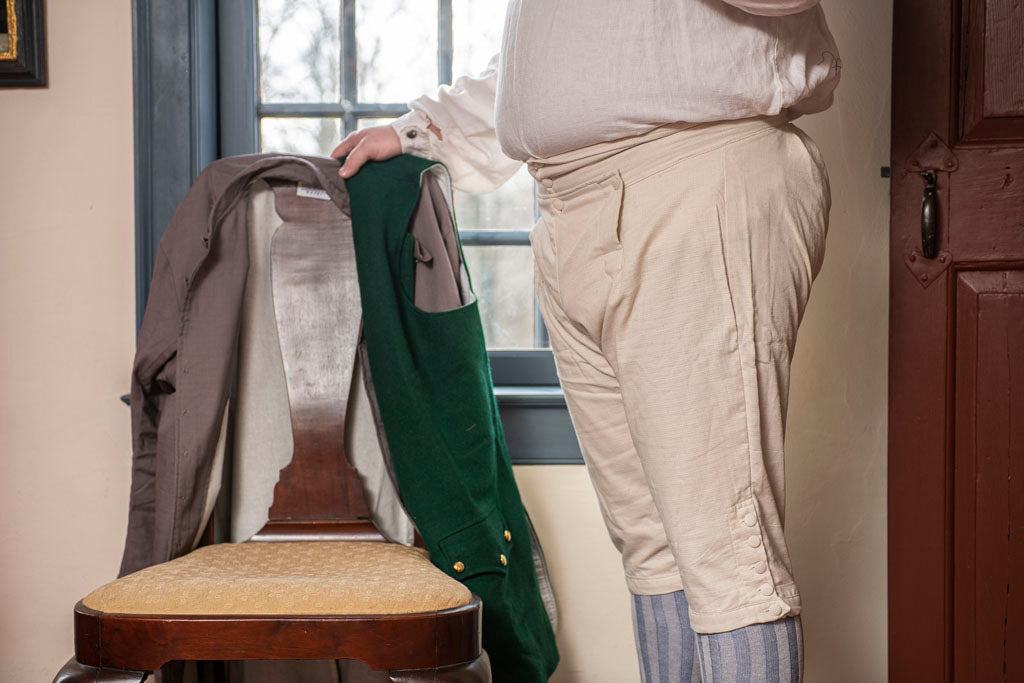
{"x":319,"y":316}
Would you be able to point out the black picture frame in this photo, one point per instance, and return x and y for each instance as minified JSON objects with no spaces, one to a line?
{"x":23,"y":49}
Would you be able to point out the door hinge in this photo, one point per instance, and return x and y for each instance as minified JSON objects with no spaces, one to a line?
{"x":926,"y":270}
{"x":933,"y":155}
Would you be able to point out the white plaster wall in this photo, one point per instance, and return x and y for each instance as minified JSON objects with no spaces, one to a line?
{"x":68,"y":331}
{"x":836,"y":440}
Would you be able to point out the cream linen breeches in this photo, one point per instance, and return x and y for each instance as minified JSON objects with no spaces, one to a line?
{"x":672,"y":270}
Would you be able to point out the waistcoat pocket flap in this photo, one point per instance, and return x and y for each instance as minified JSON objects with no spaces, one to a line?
{"x":479,"y":548}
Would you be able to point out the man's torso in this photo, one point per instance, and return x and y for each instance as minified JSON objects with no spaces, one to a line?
{"x":577,"y":72}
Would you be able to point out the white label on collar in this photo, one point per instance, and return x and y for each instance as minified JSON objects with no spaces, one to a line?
{"x":312,"y":193}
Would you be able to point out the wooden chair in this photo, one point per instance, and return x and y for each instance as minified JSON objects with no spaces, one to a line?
{"x":319,"y":581}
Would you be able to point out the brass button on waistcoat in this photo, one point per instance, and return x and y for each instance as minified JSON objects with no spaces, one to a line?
{"x":411,"y":134}
{"x":508,"y":535}
{"x":503,"y":560}
{"x":459,"y":567}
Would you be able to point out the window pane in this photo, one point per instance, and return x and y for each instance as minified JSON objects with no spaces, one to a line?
{"x":510,"y":207}
{"x":299,"y":136}
{"x":397,"y":49}
{"x":503,"y":281}
{"x":300,"y":50}
{"x":476,"y":34}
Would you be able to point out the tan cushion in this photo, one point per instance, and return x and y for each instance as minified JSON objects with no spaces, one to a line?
{"x":318,"y":577}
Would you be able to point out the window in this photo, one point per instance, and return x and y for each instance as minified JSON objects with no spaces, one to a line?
{"x":295,"y":76}
{"x":328,"y":67}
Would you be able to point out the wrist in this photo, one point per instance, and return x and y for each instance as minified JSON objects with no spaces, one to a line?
{"x":414,"y":132}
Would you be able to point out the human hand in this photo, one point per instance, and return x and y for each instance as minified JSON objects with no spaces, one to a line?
{"x":375,"y":142}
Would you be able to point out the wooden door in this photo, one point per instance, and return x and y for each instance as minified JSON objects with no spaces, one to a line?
{"x":956,"y":373}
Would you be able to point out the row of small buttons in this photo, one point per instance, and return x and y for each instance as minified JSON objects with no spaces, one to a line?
{"x":760,"y":567}
{"x":558,"y":204}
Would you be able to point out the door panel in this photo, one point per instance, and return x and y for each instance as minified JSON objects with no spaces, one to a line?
{"x":988,"y":571}
{"x":993,"y":40}
{"x":956,"y":362}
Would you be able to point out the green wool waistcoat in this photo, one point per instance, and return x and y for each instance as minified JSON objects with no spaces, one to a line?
{"x":433,"y":386}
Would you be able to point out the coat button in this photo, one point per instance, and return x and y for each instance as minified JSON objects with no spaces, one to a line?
{"x":558,"y":204}
{"x":411,"y":134}
{"x":459,"y":567}
{"x":547,"y":182}
{"x":760,"y":567}
{"x":754,"y":541}
{"x":508,"y":535}
{"x":776,"y":609}
{"x":766,"y":589}
{"x":503,"y":560}
{"x":750,"y":519}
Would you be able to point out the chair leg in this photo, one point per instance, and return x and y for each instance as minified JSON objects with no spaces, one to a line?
{"x":476,"y":671}
{"x":75,"y":672}
{"x":215,"y":671}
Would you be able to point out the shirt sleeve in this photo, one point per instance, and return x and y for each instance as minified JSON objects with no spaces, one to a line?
{"x":464,"y":113}
{"x":772,"y":8}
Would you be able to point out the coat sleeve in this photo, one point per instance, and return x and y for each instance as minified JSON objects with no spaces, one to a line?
{"x":773,"y":8}
{"x":464,"y":112}
{"x":152,"y":396}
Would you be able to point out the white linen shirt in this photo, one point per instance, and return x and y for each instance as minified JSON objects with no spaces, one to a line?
{"x":572,"y":73}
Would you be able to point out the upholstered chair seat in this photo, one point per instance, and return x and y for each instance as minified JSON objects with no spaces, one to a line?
{"x":302,"y":577}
